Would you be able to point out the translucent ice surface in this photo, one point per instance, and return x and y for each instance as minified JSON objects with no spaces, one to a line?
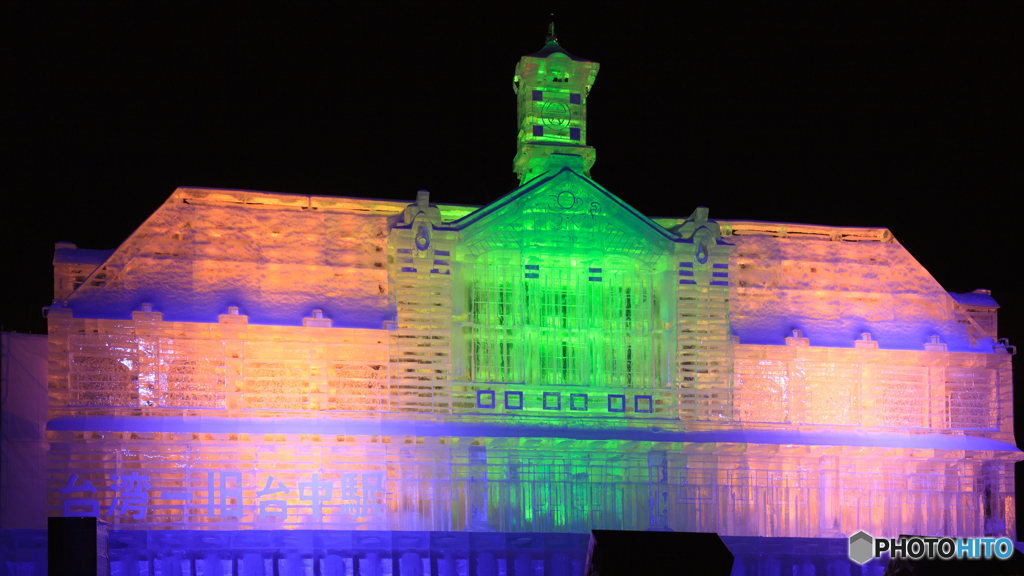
{"x":553,"y":362}
{"x":261,"y":383}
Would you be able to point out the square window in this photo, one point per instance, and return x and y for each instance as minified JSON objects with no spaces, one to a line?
{"x":616,"y":403}
{"x":575,"y":134}
{"x":538,"y":96}
{"x":538,"y":131}
{"x":574,"y":98}
{"x":578,"y":402}
{"x":643,"y":404}
{"x":513,"y":400}
{"x":552,"y":401}
{"x":485,"y":399}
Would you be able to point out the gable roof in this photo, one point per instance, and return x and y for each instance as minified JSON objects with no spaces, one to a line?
{"x":562,"y":208}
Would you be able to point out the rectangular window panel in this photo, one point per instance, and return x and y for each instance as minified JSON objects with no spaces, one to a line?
{"x":970,"y":398}
{"x":191,"y":373}
{"x":830,"y":391}
{"x":901,"y":396}
{"x":552,"y":325}
{"x":104,"y":370}
{"x":276,"y":375}
{"x":762,"y":390}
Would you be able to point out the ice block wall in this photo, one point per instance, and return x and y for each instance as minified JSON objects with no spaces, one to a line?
{"x":836,"y":284}
{"x":523,"y":484}
{"x":274,"y":256}
{"x":869,"y":389}
{"x":552,"y":362}
{"x":147,"y":367}
{"x":340,"y":553}
{"x":227,"y":425}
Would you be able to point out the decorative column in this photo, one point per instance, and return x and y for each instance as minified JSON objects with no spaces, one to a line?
{"x":828,"y":494}
{"x":476,"y":491}
{"x":657,"y":490}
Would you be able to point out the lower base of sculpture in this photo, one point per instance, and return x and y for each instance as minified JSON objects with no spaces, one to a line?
{"x":385,"y":553}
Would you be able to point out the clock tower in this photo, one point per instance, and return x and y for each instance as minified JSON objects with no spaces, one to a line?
{"x":552,"y":87}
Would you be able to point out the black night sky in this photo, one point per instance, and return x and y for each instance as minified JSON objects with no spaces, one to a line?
{"x":906,"y":116}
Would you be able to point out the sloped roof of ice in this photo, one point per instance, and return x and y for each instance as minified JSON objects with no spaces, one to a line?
{"x":275,"y":256}
{"x":835,"y":284}
{"x":66,"y":253}
{"x":554,"y":48}
{"x":979,"y":299}
{"x":279,"y":256}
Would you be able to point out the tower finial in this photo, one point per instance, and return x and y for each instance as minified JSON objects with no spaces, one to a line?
{"x":551,"y":33}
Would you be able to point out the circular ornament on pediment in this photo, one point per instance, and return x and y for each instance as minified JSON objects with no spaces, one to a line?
{"x":555,"y":114}
{"x":566,"y":199}
{"x":702,"y":240}
{"x":702,"y":251}
{"x":423,"y":238}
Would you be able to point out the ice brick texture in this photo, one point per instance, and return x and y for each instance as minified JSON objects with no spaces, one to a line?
{"x":562,"y":291}
{"x":835,"y":284}
{"x":869,"y":389}
{"x":151,"y":367}
{"x":274,"y":256}
{"x":72,"y":265}
{"x":221,"y":481}
{"x":552,"y":87}
{"x":552,"y":362}
{"x":344,"y":552}
{"x":146,"y":366}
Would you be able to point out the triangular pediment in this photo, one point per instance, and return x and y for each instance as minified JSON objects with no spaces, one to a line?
{"x":564,"y":212}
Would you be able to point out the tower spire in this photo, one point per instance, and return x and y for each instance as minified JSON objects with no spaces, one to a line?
{"x":552,"y":37}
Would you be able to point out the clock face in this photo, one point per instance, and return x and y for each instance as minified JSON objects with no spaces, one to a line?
{"x":555,"y":114}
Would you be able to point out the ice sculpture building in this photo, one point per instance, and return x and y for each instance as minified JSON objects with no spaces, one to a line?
{"x":552,"y":362}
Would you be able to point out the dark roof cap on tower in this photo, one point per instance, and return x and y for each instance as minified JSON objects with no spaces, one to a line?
{"x":552,"y":47}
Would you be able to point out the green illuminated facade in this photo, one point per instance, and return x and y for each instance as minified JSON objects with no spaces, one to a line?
{"x":560,"y":283}
{"x":561,"y":286}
